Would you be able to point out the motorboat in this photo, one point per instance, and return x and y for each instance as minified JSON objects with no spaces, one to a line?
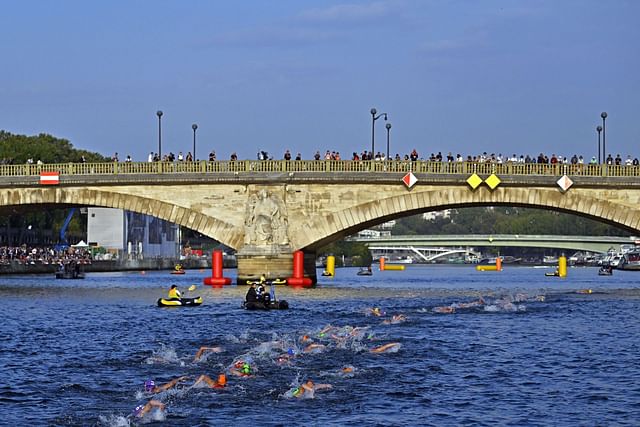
{"x":365,"y":271}
{"x":271,"y":305}
{"x":630,"y":261}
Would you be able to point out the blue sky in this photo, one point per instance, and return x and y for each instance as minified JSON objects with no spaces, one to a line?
{"x":462,"y":76}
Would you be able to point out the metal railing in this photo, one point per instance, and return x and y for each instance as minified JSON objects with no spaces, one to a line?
{"x":325,"y":166}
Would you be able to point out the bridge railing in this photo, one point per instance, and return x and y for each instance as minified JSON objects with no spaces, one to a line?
{"x":332,"y":166}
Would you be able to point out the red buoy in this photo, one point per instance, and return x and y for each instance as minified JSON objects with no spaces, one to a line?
{"x":216,"y":278}
{"x":298,"y":278}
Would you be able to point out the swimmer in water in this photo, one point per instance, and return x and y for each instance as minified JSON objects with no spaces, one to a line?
{"x":204,"y":350}
{"x":219,"y":383}
{"x":375,"y":311}
{"x":142,"y":410}
{"x":444,"y":309}
{"x":390,"y":347}
{"x":308,"y":389}
{"x":347,"y":370}
{"x":241,"y":369}
{"x":151,"y":387}
{"x":314,"y":348}
{"x":395,"y":319}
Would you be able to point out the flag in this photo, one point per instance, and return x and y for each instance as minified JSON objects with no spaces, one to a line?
{"x":49,"y":178}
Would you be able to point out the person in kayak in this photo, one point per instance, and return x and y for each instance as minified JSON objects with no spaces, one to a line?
{"x":174,"y":293}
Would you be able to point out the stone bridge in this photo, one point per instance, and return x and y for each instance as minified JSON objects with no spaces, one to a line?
{"x":266,"y":210}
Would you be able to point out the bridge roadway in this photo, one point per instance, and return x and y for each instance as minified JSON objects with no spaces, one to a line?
{"x":600,"y":244}
{"x":266,"y":210}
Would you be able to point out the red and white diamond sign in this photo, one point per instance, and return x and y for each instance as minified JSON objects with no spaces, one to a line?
{"x":409,"y":179}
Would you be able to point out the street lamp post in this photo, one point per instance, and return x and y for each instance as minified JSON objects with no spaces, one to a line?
{"x":604,"y":137}
{"x":159,"y":114}
{"x":194,"y":127}
{"x":388,"y":126}
{"x":599,"y":129}
{"x":375,"y":117}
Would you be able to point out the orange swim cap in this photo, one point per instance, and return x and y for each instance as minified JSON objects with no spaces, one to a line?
{"x":222,"y":379}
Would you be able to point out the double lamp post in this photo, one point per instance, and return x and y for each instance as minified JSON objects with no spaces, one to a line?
{"x":375,"y":116}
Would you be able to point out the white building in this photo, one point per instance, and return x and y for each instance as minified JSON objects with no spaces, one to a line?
{"x":429,"y":216}
{"x":133,"y":234}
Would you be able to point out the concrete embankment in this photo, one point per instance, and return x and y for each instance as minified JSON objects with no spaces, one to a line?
{"x":16,"y":267}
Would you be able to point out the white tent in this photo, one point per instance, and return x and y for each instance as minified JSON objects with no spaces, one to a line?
{"x":80,"y":244}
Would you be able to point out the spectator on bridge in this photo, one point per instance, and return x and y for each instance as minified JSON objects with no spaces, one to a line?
{"x":180,"y":156}
{"x":414,"y":155}
{"x":189,"y":157}
{"x":287,"y":155}
{"x":212,"y":156}
{"x":317,"y":155}
{"x":234,"y":156}
{"x":609,"y":160}
{"x":298,"y":156}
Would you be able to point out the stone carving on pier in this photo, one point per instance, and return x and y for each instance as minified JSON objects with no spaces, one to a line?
{"x":266,"y":222}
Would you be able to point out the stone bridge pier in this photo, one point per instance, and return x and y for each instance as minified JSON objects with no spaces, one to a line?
{"x":267,"y":245}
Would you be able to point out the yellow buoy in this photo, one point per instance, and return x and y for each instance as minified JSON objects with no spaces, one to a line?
{"x":331,"y":265}
{"x":562,"y":266}
{"x":393,"y":267}
{"x":487,"y":268}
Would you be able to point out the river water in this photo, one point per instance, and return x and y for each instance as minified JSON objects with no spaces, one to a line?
{"x":78,"y":352}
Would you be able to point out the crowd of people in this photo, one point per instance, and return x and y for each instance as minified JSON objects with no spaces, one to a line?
{"x":43,"y":255}
{"x":413,"y":155}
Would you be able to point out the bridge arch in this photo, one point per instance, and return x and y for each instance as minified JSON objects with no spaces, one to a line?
{"x":217,"y":229}
{"x":350,"y":220}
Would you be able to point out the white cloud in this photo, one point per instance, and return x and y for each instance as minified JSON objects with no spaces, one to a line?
{"x":349,"y":12}
{"x":275,"y":37}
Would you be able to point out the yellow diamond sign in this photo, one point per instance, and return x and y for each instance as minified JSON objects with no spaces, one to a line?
{"x":493,"y":181}
{"x":474,"y":180}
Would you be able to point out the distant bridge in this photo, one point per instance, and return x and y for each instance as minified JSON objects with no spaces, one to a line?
{"x":579,"y":243}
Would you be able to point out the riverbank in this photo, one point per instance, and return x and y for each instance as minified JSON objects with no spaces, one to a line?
{"x":17,"y":267}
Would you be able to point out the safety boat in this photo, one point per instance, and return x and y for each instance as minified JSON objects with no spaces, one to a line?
{"x":70,"y":270}
{"x":272,"y":305}
{"x":365,"y":272}
{"x":179,"y":302}
{"x":555,"y":273}
{"x":604,"y":271}
{"x":178,"y":272}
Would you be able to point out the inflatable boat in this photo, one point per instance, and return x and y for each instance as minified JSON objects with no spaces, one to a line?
{"x":179,"y":302}
{"x":364,"y":272}
{"x":273,"y":305}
